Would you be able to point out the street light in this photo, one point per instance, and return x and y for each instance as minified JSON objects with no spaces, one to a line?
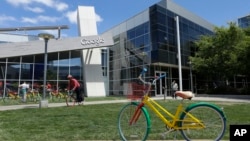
{"x":46,"y":38}
{"x":191,"y":75}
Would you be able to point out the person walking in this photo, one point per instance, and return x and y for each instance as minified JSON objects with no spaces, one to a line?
{"x":48,"y":87}
{"x":74,"y":85}
{"x":174,"y":87}
{"x":24,"y":87}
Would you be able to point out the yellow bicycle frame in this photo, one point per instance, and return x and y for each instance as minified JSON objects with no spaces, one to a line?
{"x":191,"y":122}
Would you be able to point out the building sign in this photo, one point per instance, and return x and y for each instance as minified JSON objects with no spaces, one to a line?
{"x":94,"y":42}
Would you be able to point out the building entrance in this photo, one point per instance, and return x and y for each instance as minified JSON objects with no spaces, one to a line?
{"x":160,"y":84}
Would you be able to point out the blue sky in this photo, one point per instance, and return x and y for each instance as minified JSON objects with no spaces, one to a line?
{"x":20,"y":13}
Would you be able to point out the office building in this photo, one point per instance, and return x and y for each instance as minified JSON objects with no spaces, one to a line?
{"x":148,"y":39}
{"x":244,"y":22}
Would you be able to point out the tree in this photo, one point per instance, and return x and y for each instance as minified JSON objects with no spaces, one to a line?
{"x":217,"y":55}
{"x":244,"y":55}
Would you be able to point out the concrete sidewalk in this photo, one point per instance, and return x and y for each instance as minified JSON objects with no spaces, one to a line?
{"x":22,"y":106}
{"x":198,"y":98}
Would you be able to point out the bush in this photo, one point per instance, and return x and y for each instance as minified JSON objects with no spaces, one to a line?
{"x":223,"y":90}
{"x":245,"y":91}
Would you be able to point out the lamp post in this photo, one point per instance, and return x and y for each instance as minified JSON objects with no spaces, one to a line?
{"x":191,"y":75}
{"x":46,"y":38}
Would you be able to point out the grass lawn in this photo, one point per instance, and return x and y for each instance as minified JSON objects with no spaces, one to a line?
{"x":92,"y":122}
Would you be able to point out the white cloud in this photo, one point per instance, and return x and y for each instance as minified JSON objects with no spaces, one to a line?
{"x":34,"y":9}
{"x":48,"y":19}
{"x":39,"y":19}
{"x":19,"y":2}
{"x":48,"y":3}
{"x":98,"y":18}
{"x":4,"y":18}
{"x":72,"y":16}
{"x":59,"y":6}
{"x":29,"y":20}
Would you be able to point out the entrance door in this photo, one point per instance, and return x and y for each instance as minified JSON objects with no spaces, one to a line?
{"x":160,"y":84}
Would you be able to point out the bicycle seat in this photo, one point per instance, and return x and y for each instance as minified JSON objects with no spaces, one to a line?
{"x":185,"y":94}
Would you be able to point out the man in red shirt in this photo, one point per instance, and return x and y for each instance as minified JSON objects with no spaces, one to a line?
{"x":75,"y":86}
{"x":48,"y":87}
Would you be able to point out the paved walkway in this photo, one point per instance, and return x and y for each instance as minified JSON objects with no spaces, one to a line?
{"x":229,"y":98}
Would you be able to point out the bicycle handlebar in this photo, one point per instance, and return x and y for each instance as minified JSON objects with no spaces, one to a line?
{"x":144,"y":70}
{"x":149,"y":83}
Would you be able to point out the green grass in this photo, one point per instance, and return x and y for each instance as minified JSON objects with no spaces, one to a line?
{"x":91,"y":122}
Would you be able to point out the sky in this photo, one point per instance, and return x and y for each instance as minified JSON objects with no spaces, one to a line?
{"x":109,"y":13}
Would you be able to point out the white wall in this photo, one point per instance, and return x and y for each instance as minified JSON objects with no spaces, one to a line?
{"x":86,"y":21}
{"x":94,"y":81}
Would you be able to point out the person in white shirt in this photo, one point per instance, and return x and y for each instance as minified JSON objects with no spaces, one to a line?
{"x":174,"y":87}
{"x":24,"y":87}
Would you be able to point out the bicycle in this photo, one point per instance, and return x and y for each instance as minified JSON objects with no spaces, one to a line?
{"x":199,"y":121}
{"x":33,"y":96}
{"x":71,"y":99}
{"x":12,"y":97}
{"x":56,"y":95}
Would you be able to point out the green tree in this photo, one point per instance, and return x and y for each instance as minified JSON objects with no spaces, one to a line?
{"x":244,"y":55}
{"x":217,"y":55}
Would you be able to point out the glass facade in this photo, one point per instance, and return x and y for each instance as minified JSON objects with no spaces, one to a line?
{"x":104,"y":57}
{"x":30,"y":69}
{"x":244,"y":22}
{"x":153,"y":45}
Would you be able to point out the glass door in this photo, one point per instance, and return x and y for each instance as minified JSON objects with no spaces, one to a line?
{"x":160,"y":84}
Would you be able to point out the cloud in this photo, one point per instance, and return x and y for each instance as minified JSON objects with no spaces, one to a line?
{"x":72,"y":17}
{"x":4,"y":18}
{"x":39,"y":19}
{"x":98,"y":18}
{"x":59,"y":6}
{"x":48,"y":19}
{"x":34,"y":9}
{"x":19,"y":2}
{"x":29,"y":20}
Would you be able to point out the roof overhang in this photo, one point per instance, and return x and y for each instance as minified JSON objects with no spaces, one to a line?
{"x":55,"y":45}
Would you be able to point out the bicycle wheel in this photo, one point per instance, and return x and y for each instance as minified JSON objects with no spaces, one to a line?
{"x":137,"y":129}
{"x":70,"y":100}
{"x":210,"y":116}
